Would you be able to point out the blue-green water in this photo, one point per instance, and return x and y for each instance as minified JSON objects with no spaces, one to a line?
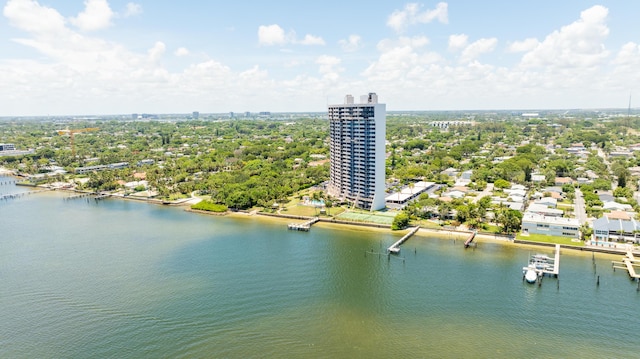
{"x":120,"y":279}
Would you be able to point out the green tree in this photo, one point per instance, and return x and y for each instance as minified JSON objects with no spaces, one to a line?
{"x":400,"y":221}
{"x":501,"y":184}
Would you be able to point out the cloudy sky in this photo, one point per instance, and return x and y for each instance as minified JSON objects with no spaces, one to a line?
{"x":71,"y":57}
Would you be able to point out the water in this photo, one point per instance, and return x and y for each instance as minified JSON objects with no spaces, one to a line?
{"x":121,"y":279}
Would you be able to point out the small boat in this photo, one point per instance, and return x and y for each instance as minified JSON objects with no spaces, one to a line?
{"x":530,"y":274}
{"x":538,"y":263}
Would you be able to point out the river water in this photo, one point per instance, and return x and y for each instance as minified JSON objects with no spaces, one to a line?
{"x":120,"y":279}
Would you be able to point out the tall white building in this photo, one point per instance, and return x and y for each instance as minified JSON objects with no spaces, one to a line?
{"x":357,"y":152}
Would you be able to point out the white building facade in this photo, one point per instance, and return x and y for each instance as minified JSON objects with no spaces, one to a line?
{"x":357,"y":152}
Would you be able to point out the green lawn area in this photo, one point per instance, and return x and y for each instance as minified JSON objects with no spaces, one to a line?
{"x":369,"y":217}
{"x":491,"y":228}
{"x":309,"y":211}
{"x":549,"y":239}
{"x":423,"y":223}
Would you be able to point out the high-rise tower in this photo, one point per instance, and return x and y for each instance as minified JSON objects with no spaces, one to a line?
{"x":357,"y":151}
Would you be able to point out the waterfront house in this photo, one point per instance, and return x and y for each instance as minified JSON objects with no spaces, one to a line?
{"x":534,"y":223}
{"x":614,"y":229}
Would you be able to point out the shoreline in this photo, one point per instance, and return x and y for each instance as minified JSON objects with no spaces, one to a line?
{"x":423,"y":231}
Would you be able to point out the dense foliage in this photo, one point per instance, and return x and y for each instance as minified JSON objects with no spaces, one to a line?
{"x":210,"y":207}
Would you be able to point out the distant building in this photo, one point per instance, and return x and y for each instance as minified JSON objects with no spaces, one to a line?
{"x":7,"y":147}
{"x":195,"y":115}
{"x":561,"y":181}
{"x":357,"y":135}
{"x":537,"y":178}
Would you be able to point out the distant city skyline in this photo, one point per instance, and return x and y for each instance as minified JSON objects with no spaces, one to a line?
{"x":117,"y":57}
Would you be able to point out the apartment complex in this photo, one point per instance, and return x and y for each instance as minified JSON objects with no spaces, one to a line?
{"x":357,"y":152}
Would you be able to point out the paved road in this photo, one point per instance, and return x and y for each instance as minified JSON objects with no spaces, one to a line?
{"x":580,"y":208}
{"x":488,"y":191}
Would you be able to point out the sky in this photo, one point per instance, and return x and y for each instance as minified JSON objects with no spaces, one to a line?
{"x":70,"y":57}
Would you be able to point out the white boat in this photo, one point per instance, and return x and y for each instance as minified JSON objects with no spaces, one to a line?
{"x":530,"y":274}
{"x":538,"y":263}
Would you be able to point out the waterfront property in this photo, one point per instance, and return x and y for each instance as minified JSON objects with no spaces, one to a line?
{"x":401,"y":198}
{"x":609,"y":229}
{"x":357,"y":152}
{"x":552,"y":226}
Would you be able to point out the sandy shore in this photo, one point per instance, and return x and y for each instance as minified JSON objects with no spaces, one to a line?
{"x":342,"y":225}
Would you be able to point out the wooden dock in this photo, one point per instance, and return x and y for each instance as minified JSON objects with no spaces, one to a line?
{"x":306,"y":226}
{"x":628,"y":263}
{"x":467,"y":243}
{"x":395,"y":248}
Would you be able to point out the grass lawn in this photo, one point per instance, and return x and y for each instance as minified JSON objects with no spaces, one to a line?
{"x":549,"y":239}
{"x":427,"y":224}
{"x":309,"y":211}
{"x":369,"y":217}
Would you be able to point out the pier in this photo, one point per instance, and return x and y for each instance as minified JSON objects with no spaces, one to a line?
{"x":80,"y":195}
{"x":628,"y":263}
{"x":306,"y":226}
{"x":541,"y":265}
{"x":467,"y":243}
{"x":395,"y":248}
{"x":16,"y":195}
{"x":555,"y":268}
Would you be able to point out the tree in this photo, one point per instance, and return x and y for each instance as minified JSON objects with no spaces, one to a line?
{"x":501,"y":183}
{"x":510,"y":220}
{"x":400,"y":221}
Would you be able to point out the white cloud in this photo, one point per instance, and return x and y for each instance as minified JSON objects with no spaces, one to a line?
{"x":156,"y":52}
{"x":477,"y":48}
{"x":399,"y":20}
{"x":400,"y":59}
{"x":579,"y":44}
{"x":132,"y":9}
{"x":75,"y":72}
{"x":414,"y":42}
{"x":311,"y":40}
{"x":458,"y":42}
{"x":327,"y":63}
{"x":96,"y":15}
{"x":30,"y":16}
{"x":523,"y":46}
{"x":182,"y":51}
{"x":271,"y":35}
{"x":351,"y":44}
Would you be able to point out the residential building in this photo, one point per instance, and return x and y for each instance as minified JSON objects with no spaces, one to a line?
{"x":409,"y":193}
{"x":551,"y":226}
{"x":560,"y":181}
{"x":7,"y":147}
{"x":357,"y":152}
{"x":609,"y":229}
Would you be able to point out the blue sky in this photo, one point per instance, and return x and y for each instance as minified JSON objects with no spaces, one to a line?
{"x":71,"y":57}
